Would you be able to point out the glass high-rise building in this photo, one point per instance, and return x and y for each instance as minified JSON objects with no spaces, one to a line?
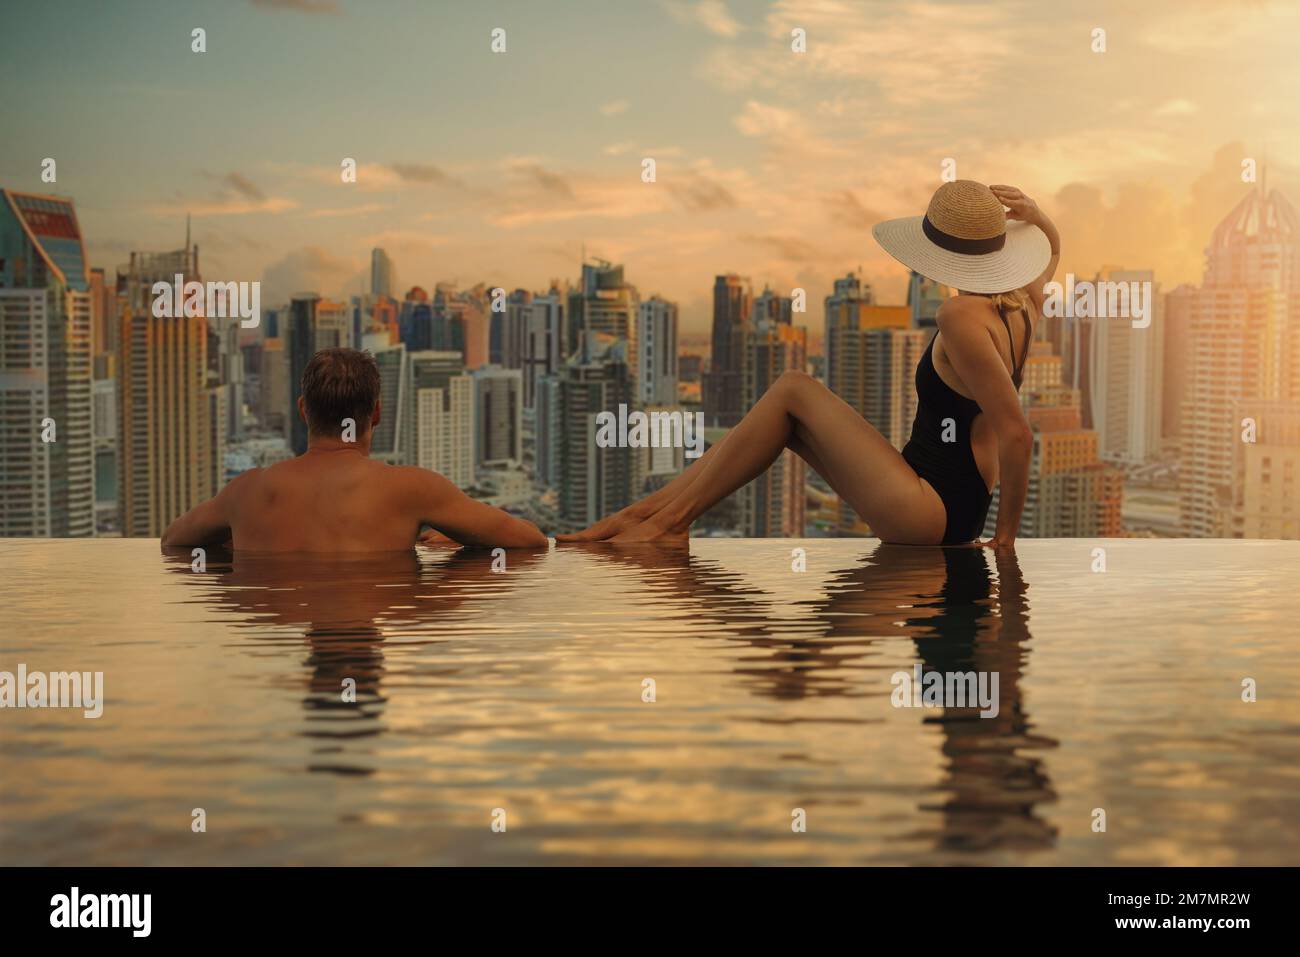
{"x":732,"y":320}
{"x":170,"y":422}
{"x":47,"y":462}
{"x":1244,"y":353}
{"x":656,"y":372}
{"x":381,"y":273}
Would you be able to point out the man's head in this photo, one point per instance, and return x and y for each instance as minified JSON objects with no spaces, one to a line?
{"x":340,"y":384}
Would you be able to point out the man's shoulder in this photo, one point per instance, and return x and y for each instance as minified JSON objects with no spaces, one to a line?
{"x":245,"y":480}
{"x":414,"y":475}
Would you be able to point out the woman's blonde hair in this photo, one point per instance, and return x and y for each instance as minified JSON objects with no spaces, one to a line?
{"x":1013,"y":300}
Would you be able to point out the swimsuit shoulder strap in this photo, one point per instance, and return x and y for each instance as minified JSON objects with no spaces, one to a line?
{"x":1029,"y":335}
{"x":1011,"y":340}
{"x":1018,"y":367}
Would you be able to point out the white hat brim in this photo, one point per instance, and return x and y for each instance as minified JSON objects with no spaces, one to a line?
{"x":1022,"y":259}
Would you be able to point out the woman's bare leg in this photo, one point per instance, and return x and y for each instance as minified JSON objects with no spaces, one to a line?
{"x":639,"y":511}
{"x":799,"y":412}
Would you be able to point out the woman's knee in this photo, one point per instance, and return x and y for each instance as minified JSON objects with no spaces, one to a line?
{"x":794,"y":380}
{"x":795,"y":386}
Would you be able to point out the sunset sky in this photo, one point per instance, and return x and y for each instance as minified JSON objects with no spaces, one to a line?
{"x":475,"y":166}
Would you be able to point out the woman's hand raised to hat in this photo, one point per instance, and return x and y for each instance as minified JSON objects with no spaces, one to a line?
{"x":1019,"y":206}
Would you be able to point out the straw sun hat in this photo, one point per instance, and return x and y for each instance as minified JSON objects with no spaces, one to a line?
{"x":964,"y":241}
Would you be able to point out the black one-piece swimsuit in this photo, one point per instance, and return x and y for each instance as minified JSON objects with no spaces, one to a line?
{"x":950,"y":466}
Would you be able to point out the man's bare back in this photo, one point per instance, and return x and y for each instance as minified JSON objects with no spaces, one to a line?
{"x":341,"y":501}
{"x":334,"y":498}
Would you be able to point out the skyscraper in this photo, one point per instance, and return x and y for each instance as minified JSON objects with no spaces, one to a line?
{"x":442,"y":400}
{"x":170,"y":442}
{"x":773,"y":505}
{"x":844,"y":313}
{"x":386,"y":441}
{"x":47,"y":480}
{"x":544,"y":341}
{"x":302,"y":346}
{"x":273,"y":385}
{"x":732,"y":321}
{"x":1266,"y":472}
{"x":1177,"y":312}
{"x":436,"y":430}
{"x":771,"y":307}
{"x":871,"y":357}
{"x":415,"y":321}
{"x":381,"y":274}
{"x":1244,"y":351}
{"x":1125,"y":374}
{"x":498,"y":416}
{"x":604,"y":305}
{"x":593,"y":481}
{"x":333,"y":325}
{"x":1072,"y":493}
{"x":511,"y":329}
{"x":924,"y":297}
{"x":656,"y":373}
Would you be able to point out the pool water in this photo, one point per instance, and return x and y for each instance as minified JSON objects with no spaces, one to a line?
{"x":504,"y":716}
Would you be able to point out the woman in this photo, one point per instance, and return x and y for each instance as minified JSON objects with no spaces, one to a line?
{"x":969,"y":433}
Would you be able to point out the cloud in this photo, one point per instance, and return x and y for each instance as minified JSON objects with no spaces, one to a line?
{"x":1144,"y":224}
{"x":588,"y":197}
{"x":362,"y":210}
{"x":847,"y":210}
{"x":785,"y":130}
{"x":896,"y":49}
{"x":788,"y":248}
{"x":699,"y":192}
{"x":236,"y":195}
{"x":1177,"y":107}
{"x":328,"y":7}
{"x":376,"y":177}
{"x":225,"y":207}
{"x":710,"y":14}
{"x":615,"y":107}
{"x":765,"y":120}
{"x":423,"y":173}
{"x":244,"y":186}
{"x":310,"y":269}
{"x":552,"y":183}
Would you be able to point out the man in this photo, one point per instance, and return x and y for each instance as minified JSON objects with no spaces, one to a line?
{"x":333,"y":497}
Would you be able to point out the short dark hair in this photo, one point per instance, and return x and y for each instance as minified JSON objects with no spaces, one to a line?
{"x":340,"y":384}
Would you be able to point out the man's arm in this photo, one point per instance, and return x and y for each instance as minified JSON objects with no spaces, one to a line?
{"x":453,"y":513}
{"x":209,"y":522}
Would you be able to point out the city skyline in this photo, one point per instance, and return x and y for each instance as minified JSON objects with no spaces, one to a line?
{"x":769,"y":164}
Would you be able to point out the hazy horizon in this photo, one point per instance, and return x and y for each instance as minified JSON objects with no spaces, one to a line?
{"x":502,"y":167}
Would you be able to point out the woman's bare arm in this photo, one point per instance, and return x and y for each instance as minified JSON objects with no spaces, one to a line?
{"x":1023,"y":209}
{"x":969,"y":346}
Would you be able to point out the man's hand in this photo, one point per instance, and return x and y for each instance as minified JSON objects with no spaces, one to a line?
{"x":435,"y":538}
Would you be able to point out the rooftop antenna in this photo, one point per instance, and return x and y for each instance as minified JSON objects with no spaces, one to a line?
{"x":187,"y":232}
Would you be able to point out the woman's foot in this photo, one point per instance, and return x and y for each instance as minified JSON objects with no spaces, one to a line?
{"x":652,"y":530}
{"x":606,"y":528}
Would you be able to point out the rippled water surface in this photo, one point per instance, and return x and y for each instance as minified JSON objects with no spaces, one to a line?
{"x":522,"y":690}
